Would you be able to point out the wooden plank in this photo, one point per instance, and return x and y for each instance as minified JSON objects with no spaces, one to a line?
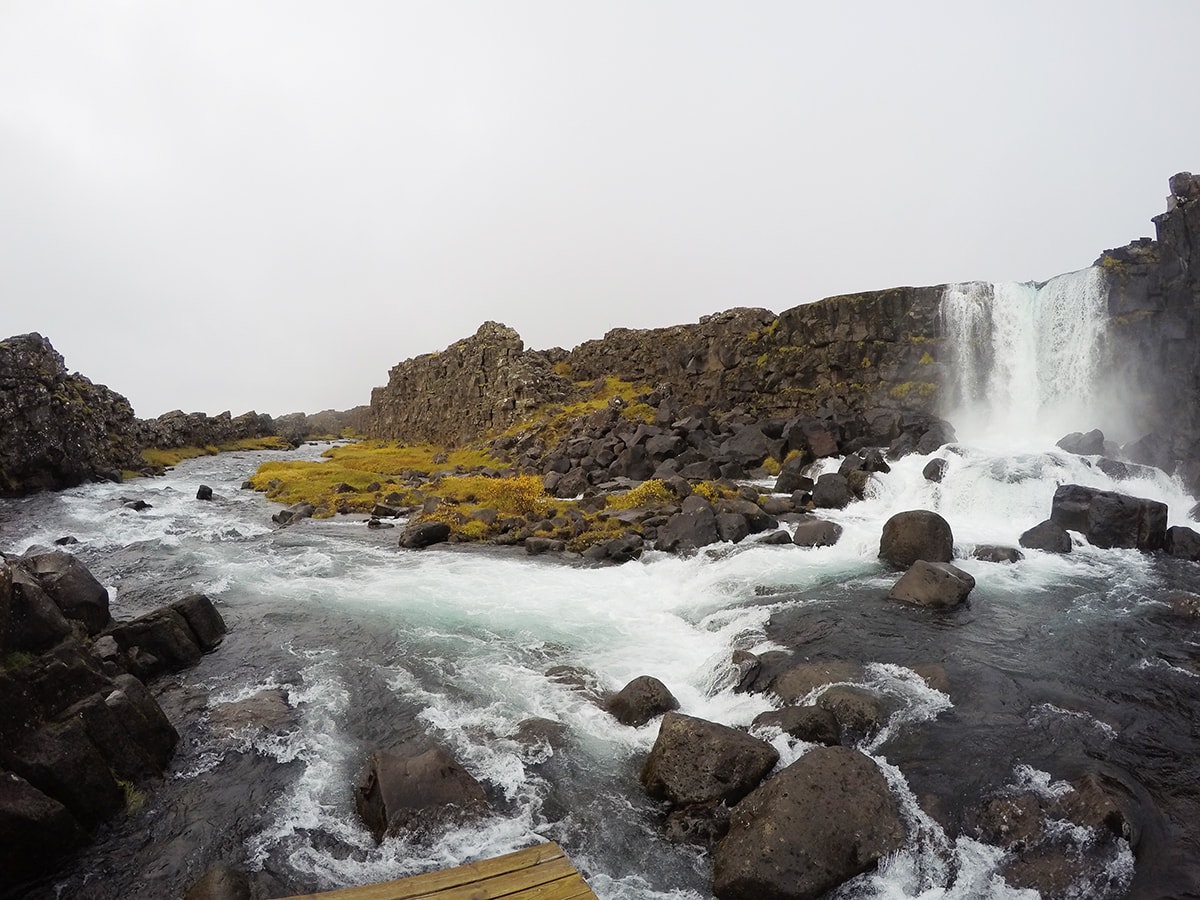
{"x":536,"y":873}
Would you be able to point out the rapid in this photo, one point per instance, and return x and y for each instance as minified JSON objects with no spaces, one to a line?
{"x":1057,"y":665}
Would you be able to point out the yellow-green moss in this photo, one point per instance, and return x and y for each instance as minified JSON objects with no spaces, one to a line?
{"x":155,"y":456}
{"x":926,"y":359}
{"x":515,"y":495}
{"x":648,"y":493}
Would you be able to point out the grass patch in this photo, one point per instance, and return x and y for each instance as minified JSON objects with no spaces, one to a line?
{"x":517,"y":495}
{"x":172,"y":456}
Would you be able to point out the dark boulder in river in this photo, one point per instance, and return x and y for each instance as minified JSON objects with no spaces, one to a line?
{"x":824,"y":819}
{"x":696,"y":761}
{"x":1108,"y":519}
{"x":641,"y":700}
{"x":1090,"y":444}
{"x":916,"y":534}
{"x":1048,"y":536}
{"x":424,"y":534}
{"x":933,"y":585}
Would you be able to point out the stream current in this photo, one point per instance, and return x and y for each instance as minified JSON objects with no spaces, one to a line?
{"x":1056,"y":666}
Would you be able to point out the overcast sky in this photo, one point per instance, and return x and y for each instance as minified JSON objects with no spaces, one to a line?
{"x":236,"y":205}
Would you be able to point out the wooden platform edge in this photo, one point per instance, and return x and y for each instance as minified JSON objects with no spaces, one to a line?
{"x":540,"y":872}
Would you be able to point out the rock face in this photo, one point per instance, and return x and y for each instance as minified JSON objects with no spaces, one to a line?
{"x":486,"y":381}
{"x":58,"y":430}
{"x":916,"y":534}
{"x":824,"y":819}
{"x":1108,"y":519}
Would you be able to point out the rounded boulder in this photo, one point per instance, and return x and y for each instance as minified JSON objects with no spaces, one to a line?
{"x":916,"y":534}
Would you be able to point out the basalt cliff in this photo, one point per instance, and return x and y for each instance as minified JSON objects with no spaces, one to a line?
{"x":846,"y":359}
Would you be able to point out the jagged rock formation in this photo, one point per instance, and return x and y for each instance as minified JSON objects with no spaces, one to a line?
{"x":1154,"y":333}
{"x":58,"y":430}
{"x":840,"y":356}
{"x":481,"y":383}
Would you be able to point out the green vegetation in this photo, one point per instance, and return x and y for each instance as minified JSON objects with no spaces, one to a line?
{"x":648,"y":493}
{"x":16,"y":660}
{"x":135,"y":799}
{"x":926,"y":359}
{"x":155,"y":456}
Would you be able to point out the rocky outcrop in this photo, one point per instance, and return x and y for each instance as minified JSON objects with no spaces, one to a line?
{"x":1108,"y":519}
{"x":57,"y":429}
{"x":482,"y":383}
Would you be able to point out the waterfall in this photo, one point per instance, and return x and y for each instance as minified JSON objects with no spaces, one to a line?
{"x":1025,"y":358}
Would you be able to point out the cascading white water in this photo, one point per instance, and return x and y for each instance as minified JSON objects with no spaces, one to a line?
{"x":1025,"y":358}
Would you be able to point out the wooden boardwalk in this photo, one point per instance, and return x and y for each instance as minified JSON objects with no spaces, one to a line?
{"x":536,"y":873}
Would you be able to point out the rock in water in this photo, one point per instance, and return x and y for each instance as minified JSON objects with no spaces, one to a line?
{"x":933,"y":585}
{"x":695,"y":761}
{"x":824,"y":819}
{"x":1046,"y":536}
{"x":405,"y":789}
{"x":916,"y":534}
{"x":641,"y":700}
{"x":1108,"y":519}
{"x":1090,"y":444}
{"x":424,"y":534}
{"x":204,"y":492}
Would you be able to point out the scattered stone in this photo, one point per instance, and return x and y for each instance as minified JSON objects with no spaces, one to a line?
{"x":824,"y":819}
{"x":267,"y":710}
{"x":832,"y":491}
{"x":293,"y":514}
{"x":1047,"y":536}
{"x":137,"y":505}
{"x":687,"y":531}
{"x":775,"y":537}
{"x":535,"y":546}
{"x":641,"y":700}
{"x":934,"y":585}
{"x":913,"y":535}
{"x":204,"y":492}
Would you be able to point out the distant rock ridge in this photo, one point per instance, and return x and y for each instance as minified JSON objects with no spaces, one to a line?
{"x":59,"y":430}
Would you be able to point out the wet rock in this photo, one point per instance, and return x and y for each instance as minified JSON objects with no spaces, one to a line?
{"x":35,"y":830}
{"x":997,"y":554}
{"x":935,"y":470}
{"x":1047,"y":536}
{"x":812,"y":532}
{"x":143,"y":718}
{"x":1108,"y":519}
{"x":913,"y":535}
{"x":66,"y":541}
{"x":410,"y":788}
{"x":858,"y":712}
{"x":157,"y":643}
{"x":204,"y":492}
{"x":61,"y":761}
{"x":384,"y":511}
{"x":824,"y":819}
{"x":29,"y":619}
{"x":814,"y":724}
{"x":732,"y":527}
{"x":933,"y":585}
{"x":1185,"y":605}
{"x":1009,"y":822}
{"x":1096,"y":803}
{"x":697,"y":823}
{"x":538,"y":732}
{"x":535,"y":546}
{"x":934,"y":676}
{"x":832,"y":491}
{"x":793,"y":685}
{"x":687,"y":531}
{"x":293,"y":514}
{"x":71,"y":586}
{"x":791,"y":477}
{"x":420,"y":535}
{"x":1182,"y":542}
{"x":267,"y":710}
{"x":207,"y":625}
{"x":377,"y":524}
{"x":618,"y":550}
{"x":695,"y":761}
{"x":1083,"y":444}
{"x":775,"y":537}
{"x":221,"y":883}
{"x":137,"y":505}
{"x":641,"y":700}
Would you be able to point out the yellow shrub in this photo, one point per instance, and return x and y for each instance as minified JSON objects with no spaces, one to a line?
{"x":648,"y":493}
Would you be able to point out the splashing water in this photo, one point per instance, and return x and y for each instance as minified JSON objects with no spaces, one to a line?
{"x":1025,"y":358}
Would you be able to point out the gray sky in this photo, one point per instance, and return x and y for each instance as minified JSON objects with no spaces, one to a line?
{"x":233,"y":205}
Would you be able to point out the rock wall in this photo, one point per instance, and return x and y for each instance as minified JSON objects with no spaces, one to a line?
{"x":841,"y":355}
{"x":58,"y":430}
{"x":1154,"y":331}
{"x":484,"y":382}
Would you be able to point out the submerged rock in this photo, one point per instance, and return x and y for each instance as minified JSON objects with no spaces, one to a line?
{"x":997,"y":554}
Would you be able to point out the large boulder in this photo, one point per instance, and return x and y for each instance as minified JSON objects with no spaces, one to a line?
{"x":35,"y":830}
{"x":687,"y":531}
{"x":1084,"y":444}
{"x":1048,"y":536}
{"x":413,"y":788}
{"x":832,"y":491}
{"x":29,"y":619}
{"x":71,"y":586}
{"x":812,"y":532}
{"x":157,"y":643}
{"x":932,"y":585}
{"x":641,"y":700}
{"x":814,"y":724}
{"x":824,"y":819}
{"x":1182,"y":542}
{"x":694,"y":761}
{"x":916,"y":534}
{"x":420,"y":535}
{"x":1108,"y":519}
